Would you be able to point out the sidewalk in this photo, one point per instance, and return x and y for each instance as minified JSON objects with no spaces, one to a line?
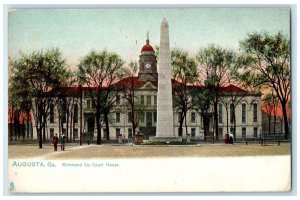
{"x":59,"y":152}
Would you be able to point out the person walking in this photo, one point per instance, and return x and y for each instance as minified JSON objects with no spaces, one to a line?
{"x":55,"y":141}
{"x":63,"y":142}
{"x":230,"y":138}
{"x":226,"y":139}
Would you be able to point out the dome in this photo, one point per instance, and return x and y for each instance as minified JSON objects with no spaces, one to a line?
{"x":147,"y":47}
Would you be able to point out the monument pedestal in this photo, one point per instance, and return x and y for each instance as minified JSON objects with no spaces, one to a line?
{"x":139,"y":139}
{"x":165,"y":139}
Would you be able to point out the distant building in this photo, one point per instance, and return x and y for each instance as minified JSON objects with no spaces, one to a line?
{"x":273,"y":123}
{"x":247,"y":110}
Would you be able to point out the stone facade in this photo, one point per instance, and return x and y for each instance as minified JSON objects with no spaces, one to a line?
{"x":248,"y":118}
{"x":247,"y":111}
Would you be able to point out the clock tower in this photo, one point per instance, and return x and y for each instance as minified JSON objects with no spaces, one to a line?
{"x":147,"y":63}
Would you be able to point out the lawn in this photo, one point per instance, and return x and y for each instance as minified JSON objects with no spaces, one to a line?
{"x":106,"y":151}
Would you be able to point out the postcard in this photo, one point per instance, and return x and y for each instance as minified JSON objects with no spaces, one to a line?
{"x":139,"y":100}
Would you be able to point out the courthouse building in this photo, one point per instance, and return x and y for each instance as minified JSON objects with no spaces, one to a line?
{"x":247,"y":108}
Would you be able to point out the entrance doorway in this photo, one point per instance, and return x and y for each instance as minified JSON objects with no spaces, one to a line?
{"x":91,"y":128}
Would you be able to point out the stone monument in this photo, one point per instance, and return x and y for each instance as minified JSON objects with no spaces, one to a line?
{"x":165,"y":124}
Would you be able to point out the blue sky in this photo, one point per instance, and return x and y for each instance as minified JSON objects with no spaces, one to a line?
{"x":76,"y":32}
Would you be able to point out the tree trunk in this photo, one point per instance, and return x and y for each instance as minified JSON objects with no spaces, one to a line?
{"x":234,"y":124}
{"x":27,"y":125}
{"x":11,"y":121}
{"x":98,"y":128}
{"x":67,"y":126}
{"x":216,"y":119}
{"x":44,"y":127}
{"x":269,"y":124}
{"x":227,"y":120}
{"x":81,"y":115}
{"x":40,"y":128}
{"x":274,"y":129}
{"x":71,"y":128}
{"x":285,"y":118}
{"x":132,"y":119}
{"x":23,"y":128}
{"x":106,"y":126}
{"x":181,"y":123}
{"x":205,"y":126}
{"x":186,"y":128}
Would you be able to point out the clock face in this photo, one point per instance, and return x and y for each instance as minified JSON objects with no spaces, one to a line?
{"x":148,"y":65}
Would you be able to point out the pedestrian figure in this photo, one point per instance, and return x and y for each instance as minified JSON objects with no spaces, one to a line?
{"x":63,"y":141}
{"x":226,"y":139}
{"x":230,"y":138}
{"x":55,"y":141}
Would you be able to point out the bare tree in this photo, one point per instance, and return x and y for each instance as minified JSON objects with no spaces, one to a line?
{"x":42,"y":72}
{"x":185,"y":75}
{"x":128,"y":87}
{"x":215,"y":63}
{"x":99,"y":71}
{"x":267,"y":62}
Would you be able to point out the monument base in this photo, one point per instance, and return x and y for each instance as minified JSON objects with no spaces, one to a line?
{"x":165,"y":139}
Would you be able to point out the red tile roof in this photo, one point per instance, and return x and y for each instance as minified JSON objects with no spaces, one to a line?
{"x":129,"y":82}
{"x":232,"y":88}
{"x":137,"y":83}
{"x":71,"y":90}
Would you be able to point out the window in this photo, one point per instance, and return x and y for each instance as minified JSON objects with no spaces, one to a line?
{"x":179,"y":131}
{"x":179,"y":117}
{"x":64,"y":113}
{"x":193,"y":132}
{"x":244,"y":132}
{"x":52,"y":113}
{"x":142,"y":99}
{"x":118,"y":99}
{"x":104,"y":133}
{"x":51,"y":132}
{"x":255,"y":112}
{"x":155,"y":116}
{"x":130,"y":132}
{"x":155,"y":100}
{"x":243,"y":113}
{"x":75,"y":133}
{"x":93,"y":105}
{"x":88,"y":104}
{"x":231,"y":112}
{"x":142,"y":117}
{"x":220,"y":134}
{"x":118,"y":117}
{"x":118,"y":132}
{"x":193,"y":117}
{"x":232,"y":130}
{"x":75,"y":113}
{"x":255,"y":129}
{"x":148,"y":118}
{"x":129,"y":117}
{"x":220,"y":114}
{"x":148,"y":100}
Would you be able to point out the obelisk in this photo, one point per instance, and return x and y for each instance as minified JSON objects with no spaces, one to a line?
{"x":165,"y":123}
